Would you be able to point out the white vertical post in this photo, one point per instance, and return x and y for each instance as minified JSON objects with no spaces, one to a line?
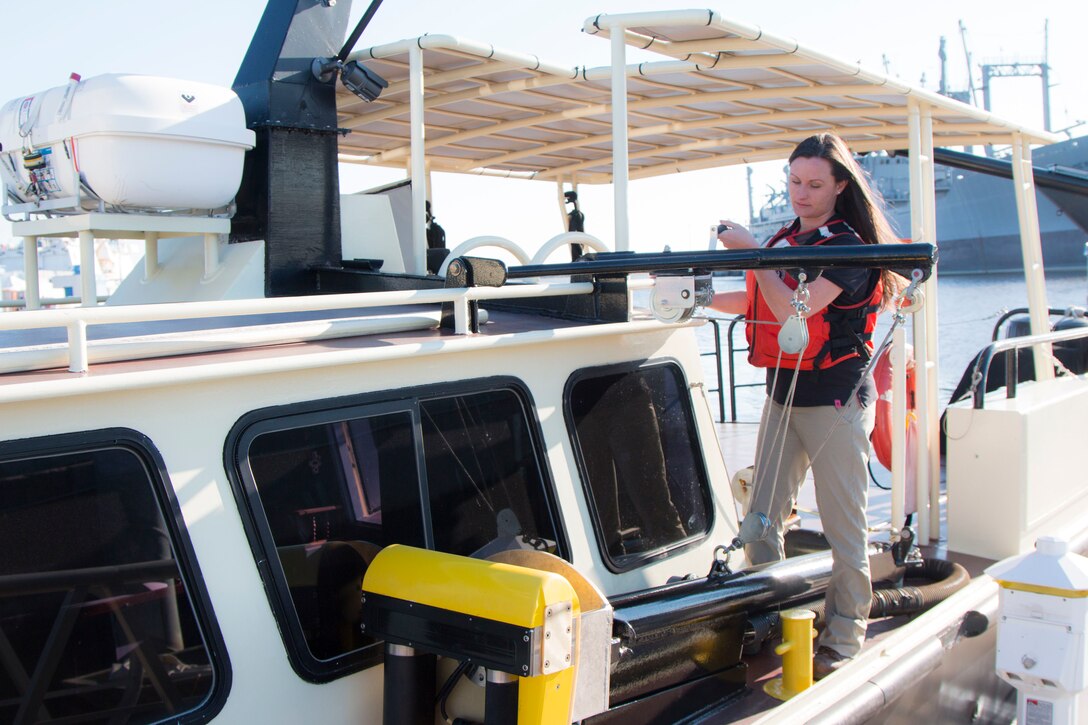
{"x":1031,"y":247}
{"x":151,"y":255}
{"x":77,"y":346}
{"x":211,"y":255}
{"x":899,"y":435}
{"x":619,"y":137}
{"x":562,"y":203}
{"x":418,"y":167}
{"x":929,"y":442}
{"x":461,"y":315}
{"x":32,"y":295}
{"x":87,"y":286}
{"x":923,"y":355}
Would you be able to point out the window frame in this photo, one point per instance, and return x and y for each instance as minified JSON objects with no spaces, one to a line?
{"x":162,"y":490}
{"x":259,"y":535}
{"x":636,"y":561}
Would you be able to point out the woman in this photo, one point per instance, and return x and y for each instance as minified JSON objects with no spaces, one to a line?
{"x":819,"y":410}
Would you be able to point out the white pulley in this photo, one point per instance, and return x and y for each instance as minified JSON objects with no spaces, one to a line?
{"x":663,"y":309}
{"x":674,"y":298}
{"x":793,"y":337}
{"x":917,"y":301}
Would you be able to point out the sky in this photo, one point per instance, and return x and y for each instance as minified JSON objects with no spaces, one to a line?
{"x":205,"y":40}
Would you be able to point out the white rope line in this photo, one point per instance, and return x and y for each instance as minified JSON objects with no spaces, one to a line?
{"x":898,"y":319}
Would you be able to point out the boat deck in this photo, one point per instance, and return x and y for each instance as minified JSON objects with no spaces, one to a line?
{"x":738,"y":443}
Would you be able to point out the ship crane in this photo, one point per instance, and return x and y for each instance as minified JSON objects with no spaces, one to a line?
{"x":1019,"y":68}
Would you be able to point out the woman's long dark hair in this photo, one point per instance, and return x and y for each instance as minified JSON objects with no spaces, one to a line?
{"x":858,"y":205}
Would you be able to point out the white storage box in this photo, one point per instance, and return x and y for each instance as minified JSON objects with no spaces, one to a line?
{"x":136,"y":143}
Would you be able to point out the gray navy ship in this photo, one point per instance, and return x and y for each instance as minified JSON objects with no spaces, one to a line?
{"x":977,"y":231}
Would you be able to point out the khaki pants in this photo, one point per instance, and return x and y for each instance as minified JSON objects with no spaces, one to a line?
{"x":841,"y":477}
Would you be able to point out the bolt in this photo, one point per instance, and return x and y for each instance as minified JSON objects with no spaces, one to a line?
{"x":547,"y":664}
{"x":525,"y":638}
{"x":1028,"y":662}
{"x":455,"y":268}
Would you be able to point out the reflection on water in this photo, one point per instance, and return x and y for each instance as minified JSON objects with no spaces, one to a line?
{"x":967,"y":309}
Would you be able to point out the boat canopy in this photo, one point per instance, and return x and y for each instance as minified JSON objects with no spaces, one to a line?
{"x":729,"y":93}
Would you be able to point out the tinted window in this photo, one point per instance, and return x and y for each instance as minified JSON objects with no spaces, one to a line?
{"x":484,"y":481}
{"x":96,"y":622}
{"x":332,"y":494}
{"x":643,"y":470}
{"x":457,"y":473}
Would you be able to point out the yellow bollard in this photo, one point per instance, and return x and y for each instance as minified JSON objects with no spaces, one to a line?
{"x":796,"y":653}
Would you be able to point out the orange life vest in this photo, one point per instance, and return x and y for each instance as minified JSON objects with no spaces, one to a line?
{"x":836,"y":333}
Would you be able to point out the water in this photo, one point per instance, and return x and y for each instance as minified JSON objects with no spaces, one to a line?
{"x":967,"y":309}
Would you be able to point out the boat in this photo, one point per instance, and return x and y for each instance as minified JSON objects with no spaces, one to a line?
{"x":302,"y":464}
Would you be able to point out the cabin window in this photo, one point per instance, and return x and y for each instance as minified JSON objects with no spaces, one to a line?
{"x":484,"y":482}
{"x":97,"y":621}
{"x":642,"y":469}
{"x":459,"y":473}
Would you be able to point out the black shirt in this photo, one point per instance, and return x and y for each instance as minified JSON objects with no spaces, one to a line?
{"x":833,"y":385}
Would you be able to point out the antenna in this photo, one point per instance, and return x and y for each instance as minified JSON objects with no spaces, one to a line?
{"x":751,"y":206}
{"x":942,"y":87}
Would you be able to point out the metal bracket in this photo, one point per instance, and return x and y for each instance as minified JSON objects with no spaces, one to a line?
{"x":463,"y":316}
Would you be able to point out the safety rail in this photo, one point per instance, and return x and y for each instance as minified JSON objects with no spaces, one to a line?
{"x":77,"y":320}
{"x":717,"y":353}
{"x":731,"y":354}
{"x":1008,"y":315}
{"x":733,"y":385}
{"x":1007,"y":346}
{"x":20,"y":304}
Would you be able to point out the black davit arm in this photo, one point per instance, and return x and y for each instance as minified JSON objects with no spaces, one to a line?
{"x":900,"y":258}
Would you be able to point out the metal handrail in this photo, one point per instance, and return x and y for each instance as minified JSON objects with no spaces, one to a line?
{"x":1021,"y":311}
{"x":76,"y":320}
{"x":733,"y":385}
{"x":1009,"y":345}
{"x":717,"y":353}
{"x":732,"y":351}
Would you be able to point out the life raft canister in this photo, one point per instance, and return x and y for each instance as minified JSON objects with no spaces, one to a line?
{"x":835,"y":334}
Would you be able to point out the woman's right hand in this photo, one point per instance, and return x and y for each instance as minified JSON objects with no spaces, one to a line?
{"x":735,"y":236}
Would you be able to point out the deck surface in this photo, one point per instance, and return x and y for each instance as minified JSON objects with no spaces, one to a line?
{"x":738,"y":444}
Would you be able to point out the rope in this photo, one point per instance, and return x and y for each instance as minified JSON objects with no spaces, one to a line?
{"x":898,"y":319}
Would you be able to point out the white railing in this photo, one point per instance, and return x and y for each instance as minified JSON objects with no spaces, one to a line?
{"x":77,"y":320}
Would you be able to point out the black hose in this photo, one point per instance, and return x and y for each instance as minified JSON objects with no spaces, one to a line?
{"x":944,"y":577}
{"x":450,"y":683}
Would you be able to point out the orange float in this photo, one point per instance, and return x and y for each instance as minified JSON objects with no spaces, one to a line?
{"x":882,"y":431}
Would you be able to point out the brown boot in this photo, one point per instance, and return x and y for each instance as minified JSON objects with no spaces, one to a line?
{"x":826,"y":661}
